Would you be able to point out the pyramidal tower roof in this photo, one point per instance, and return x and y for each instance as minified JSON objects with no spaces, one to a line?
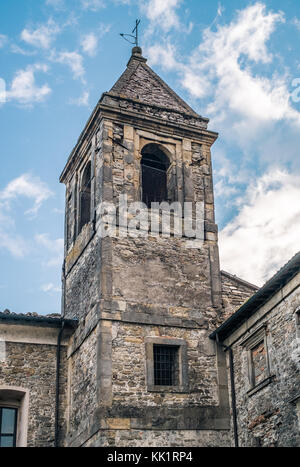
{"x":140,"y":92}
{"x":140,"y":82}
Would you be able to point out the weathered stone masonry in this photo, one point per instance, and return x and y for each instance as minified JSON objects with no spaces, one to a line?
{"x":126,"y":295}
{"x":28,"y":375}
{"x":235,"y":292}
{"x":264,"y":336}
{"x":127,"y":290}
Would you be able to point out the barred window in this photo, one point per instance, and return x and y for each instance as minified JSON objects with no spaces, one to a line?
{"x":166,"y":365}
{"x":8,"y":427}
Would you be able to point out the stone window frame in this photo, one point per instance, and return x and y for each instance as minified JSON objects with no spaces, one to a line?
{"x":18,"y":398}
{"x":172,"y":185}
{"x":257,"y":336}
{"x":73,"y":194}
{"x":182,"y":362}
{"x":81,"y":237}
{"x":165,"y":160}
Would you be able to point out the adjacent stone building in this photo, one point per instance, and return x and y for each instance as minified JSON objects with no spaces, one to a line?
{"x":132,"y":360}
{"x":33,"y":374}
{"x":263,"y":338}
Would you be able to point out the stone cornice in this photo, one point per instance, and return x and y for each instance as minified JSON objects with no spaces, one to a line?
{"x":140,"y":114}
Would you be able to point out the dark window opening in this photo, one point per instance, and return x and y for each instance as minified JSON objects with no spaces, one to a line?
{"x":85,"y":198}
{"x":154,"y":175}
{"x":69,"y":221}
{"x":165,"y":365}
{"x":8,"y":427}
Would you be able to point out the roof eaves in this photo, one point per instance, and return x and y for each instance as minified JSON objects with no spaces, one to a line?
{"x":37,"y":320}
{"x":264,"y":294}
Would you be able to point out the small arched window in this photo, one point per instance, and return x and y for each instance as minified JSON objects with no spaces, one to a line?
{"x":85,"y":197}
{"x":154,"y":174}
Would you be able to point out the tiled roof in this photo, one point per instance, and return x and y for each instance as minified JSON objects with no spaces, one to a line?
{"x":52,"y":320}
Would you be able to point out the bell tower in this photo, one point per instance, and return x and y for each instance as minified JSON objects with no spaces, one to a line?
{"x":142,"y":370}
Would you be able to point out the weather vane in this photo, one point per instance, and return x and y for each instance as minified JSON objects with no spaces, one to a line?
{"x":133,"y":39}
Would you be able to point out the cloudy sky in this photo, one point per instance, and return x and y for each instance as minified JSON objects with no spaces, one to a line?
{"x":236,"y":62}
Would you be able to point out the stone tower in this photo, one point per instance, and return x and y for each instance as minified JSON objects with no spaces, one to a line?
{"x":141,"y":368}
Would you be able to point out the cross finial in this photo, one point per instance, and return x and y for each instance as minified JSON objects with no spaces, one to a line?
{"x":133,"y":39}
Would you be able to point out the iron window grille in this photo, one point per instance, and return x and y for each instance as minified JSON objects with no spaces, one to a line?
{"x":8,"y":427}
{"x":165,"y":365}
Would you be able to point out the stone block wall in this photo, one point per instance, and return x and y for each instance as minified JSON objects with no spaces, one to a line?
{"x":267,"y":415}
{"x":124,"y":290}
{"x":129,"y":373}
{"x":32,"y":367}
{"x":235,"y":292}
{"x":82,"y":386}
{"x":152,"y":438}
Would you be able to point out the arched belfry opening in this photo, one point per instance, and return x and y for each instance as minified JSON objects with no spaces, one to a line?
{"x":155,"y":166}
{"x":85,"y":197}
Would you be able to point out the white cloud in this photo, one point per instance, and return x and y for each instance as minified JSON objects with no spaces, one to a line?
{"x":265,"y":233}
{"x":24,"y":88}
{"x":28,"y":186}
{"x":89,"y":44}
{"x":24,"y":186}
{"x":220,"y":10}
{"x":221,"y":69}
{"x":165,"y":55}
{"x":162,"y":13}
{"x":226,"y":57}
{"x":9,"y":240}
{"x":73,"y":60}
{"x":43,"y":36}
{"x":56,"y":4}
{"x":58,"y":211}
{"x":82,"y":100}
{"x":3,"y":40}
{"x":52,"y":245}
{"x":54,"y":248}
{"x":296,"y":22}
{"x":93,"y":5}
{"x":16,"y":49}
{"x":50,"y":287}
{"x":13,"y":243}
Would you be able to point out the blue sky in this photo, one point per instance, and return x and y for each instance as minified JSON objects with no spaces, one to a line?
{"x":236,"y":62}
